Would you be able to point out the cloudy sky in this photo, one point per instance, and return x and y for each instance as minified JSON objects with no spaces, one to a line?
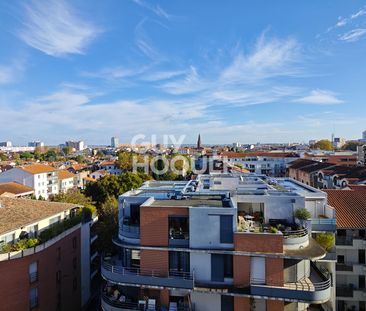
{"x":246,"y":71}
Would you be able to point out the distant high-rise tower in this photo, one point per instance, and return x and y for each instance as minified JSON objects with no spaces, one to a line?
{"x":199,"y":142}
{"x":114,"y":142}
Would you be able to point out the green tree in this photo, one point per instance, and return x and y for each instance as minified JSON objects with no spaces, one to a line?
{"x":323,"y":144}
{"x":26,"y":156}
{"x":352,"y":145}
{"x":3,"y":157}
{"x":107,"y":225}
{"x":67,"y":150}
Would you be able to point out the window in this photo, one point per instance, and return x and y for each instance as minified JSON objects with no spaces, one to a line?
{"x":178,"y":227}
{"x":221,"y":267}
{"x":33,"y":272}
{"x":74,"y":242}
{"x":340,"y":259}
{"x":9,"y":238}
{"x":361,"y":282}
{"x":361,"y":256}
{"x":226,"y":229}
{"x":179,"y":262}
{"x":74,"y":263}
{"x":32,"y":231}
{"x":33,"y":298}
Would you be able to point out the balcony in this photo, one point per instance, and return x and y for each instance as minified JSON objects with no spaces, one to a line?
{"x":344,"y":240}
{"x":122,"y":275}
{"x":315,"y":290}
{"x":295,"y":239}
{"x":323,"y":224}
{"x":179,"y":239}
{"x":110,"y":304}
{"x":129,"y":233}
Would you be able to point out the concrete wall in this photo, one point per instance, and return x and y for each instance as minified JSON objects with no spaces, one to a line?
{"x":85,"y":263}
{"x":204,"y":227}
{"x":206,"y":302}
{"x":201,"y":265}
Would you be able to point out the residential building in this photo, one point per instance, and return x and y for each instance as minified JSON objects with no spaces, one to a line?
{"x":210,"y":244}
{"x":76,"y":145}
{"x":98,"y":174}
{"x":42,"y":178}
{"x":53,"y":275}
{"x":67,"y":180}
{"x":268,"y":163}
{"x":306,"y":171}
{"x":350,"y":206}
{"x":338,"y":142}
{"x":114,"y":142}
{"x":363,"y":139}
{"x":361,"y":155}
{"x":36,"y":143}
{"x":14,"y":189}
{"x":111,"y":167}
{"x":338,"y":176}
{"x":6,"y":144}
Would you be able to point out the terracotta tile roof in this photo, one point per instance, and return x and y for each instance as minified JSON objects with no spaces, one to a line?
{"x":65,"y":174}
{"x":76,"y":167}
{"x":350,"y":206}
{"x":260,"y":154}
{"x":89,"y":179}
{"x":105,"y":163}
{"x":14,"y":188}
{"x":18,"y":212}
{"x":38,"y":168}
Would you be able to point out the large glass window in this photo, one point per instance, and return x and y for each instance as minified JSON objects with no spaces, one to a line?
{"x":226,"y":229}
{"x":33,"y":272}
{"x":179,"y":227}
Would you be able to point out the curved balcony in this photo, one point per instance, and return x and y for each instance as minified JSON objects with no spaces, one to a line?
{"x":110,"y":304}
{"x":316,"y":289}
{"x":295,"y":239}
{"x":121,"y":275}
{"x":129,"y":233}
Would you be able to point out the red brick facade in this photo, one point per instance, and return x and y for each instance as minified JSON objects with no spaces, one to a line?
{"x":58,"y":278}
{"x":241,"y":271}
{"x":154,"y":224}
{"x":274,"y":271}
{"x":258,"y":242}
{"x":275,"y":305}
{"x":152,"y":260}
{"x":241,"y":303}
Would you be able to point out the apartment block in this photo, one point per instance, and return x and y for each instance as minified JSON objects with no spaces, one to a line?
{"x":350,"y":206}
{"x":268,"y":163}
{"x":221,"y":242}
{"x":56,"y":273}
{"x":42,"y":178}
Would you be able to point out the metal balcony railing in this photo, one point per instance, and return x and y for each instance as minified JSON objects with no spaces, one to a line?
{"x":294,"y":233}
{"x":144,"y":272}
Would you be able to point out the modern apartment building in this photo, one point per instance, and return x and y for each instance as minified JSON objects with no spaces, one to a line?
{"x":56,"y":274}
{"x":67,"y":180}
{"x":268,"y":163}
{"x":350,"y":206}
{"x":42,"y":178}
{"x":221,"y":242}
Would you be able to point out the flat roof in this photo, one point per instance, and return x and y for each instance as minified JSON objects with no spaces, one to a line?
{"x":191,"y":202}
{"x":18,"y":212}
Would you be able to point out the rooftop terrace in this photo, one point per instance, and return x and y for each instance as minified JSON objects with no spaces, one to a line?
{"x":201,"y":201}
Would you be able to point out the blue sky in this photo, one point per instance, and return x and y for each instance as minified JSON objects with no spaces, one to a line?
{"x":247,"y":71}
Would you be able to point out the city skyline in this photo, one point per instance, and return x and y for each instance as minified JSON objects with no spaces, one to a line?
{"x":233,"y":72}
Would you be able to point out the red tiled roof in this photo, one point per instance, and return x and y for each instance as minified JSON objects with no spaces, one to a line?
{"x":14,"y":188}
{"x":38,"y":168}
{"x":260,"y":154}
{"x":350,"y":206}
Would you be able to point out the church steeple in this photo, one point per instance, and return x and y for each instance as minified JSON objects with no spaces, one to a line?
{"x":199,"y":142}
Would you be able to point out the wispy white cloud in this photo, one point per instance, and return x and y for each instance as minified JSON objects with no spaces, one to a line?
{"x":55,"y":28}
{"x":353,"y":35}
{"x":163,"y":75}
{"x":12,"y":72}
{"x":156,"y":9}
{"x":113,"y":73}
{"x":320,"y":97}
{"x":144,"y":43}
